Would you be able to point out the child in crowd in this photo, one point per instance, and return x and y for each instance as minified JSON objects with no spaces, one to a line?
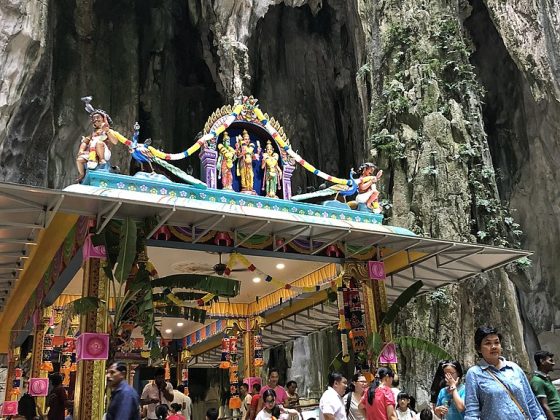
{"x":403,"y":410}
{"x":176,"y":412}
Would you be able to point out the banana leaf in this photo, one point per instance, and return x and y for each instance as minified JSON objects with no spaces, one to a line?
{"x":403,"y":299}
{"x":375,"y":343}
{"x":127,"y":252}
{"x":85,"y":305}
{"x":220,"y":286}
{"x":192,"y":314}
{"x":415,"y":343}
{"x":158,"y":297}
{"x":336,"y":364}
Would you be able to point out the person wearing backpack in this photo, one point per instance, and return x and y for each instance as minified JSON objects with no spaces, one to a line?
{"x":352,"y":399}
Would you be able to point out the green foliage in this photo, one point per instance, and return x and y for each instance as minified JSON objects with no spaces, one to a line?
{"x":84,"y":305}
{"x":212,"y":284}
{"x":363,"y":71}
{"x":401,"y":301}
{"x":419,"y":344}
{"x":127,"y":250}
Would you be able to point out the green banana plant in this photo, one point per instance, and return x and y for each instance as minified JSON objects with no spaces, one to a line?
{"x":132,"y":287}
{"x":376,"y":345}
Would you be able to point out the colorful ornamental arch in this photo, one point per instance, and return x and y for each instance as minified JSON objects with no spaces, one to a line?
{"x":248,"y":112}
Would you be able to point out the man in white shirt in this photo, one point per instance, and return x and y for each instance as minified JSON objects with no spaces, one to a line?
{"x":183,"y":400}
{"x":156,"y":392}
{"x":245,"y":400}
{"x":330,"y":405}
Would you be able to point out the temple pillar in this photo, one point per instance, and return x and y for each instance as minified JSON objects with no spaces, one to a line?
{"x":373,"y":291}
{"x":37,"y":356}
{"x":10,"y":375}
{"x":248,"y":347}
{"x":208,"y":158}
{"x":287,"y":180}
{"x":89,"y":397}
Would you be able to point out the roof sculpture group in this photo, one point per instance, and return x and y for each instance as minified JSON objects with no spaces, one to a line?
{"x":233,"y":158}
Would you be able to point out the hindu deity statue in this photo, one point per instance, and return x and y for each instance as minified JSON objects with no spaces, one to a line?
{"x":225,"y":162}
{"x":93,"y":149}
{"x":272,"y":171}
{"x":246,"y":154}
{"x":367,"y":189}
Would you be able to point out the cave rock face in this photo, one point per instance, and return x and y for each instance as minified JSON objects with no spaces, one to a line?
{"x":457,"y":101}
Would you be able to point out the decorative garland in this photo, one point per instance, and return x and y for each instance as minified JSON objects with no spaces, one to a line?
{"x":258,"y":356}
{"x":228,"y":120}
{"x":188,"y":303}
{"x":342,"y":324}
{"x":46,"y":364}
{"x":225,"y":360}
{"x":234,"y":401}
{"x":16,"y":384}
{"x":354,"y":318}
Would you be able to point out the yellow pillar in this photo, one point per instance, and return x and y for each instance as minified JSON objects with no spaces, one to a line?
{"x":89,"y":398}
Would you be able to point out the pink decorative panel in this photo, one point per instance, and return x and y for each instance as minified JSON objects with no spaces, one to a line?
{"x":92,"y":346}
{"x":389,"y":354}
{"x":376,"y":270}
{"x":38,"y":387}
{"x":90,"y":251}
{"x":10,"y":408}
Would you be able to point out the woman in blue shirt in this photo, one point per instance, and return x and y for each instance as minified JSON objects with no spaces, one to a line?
{"x":450,"y":404}
{"x":496,"y":388}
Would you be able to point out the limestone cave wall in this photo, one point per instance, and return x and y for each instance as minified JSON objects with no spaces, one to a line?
{"x":457,"y":100}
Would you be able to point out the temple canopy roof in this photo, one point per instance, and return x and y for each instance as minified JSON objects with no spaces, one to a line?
{"x":27,"y":211}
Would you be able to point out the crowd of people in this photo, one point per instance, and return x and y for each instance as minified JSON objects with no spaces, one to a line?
{"x":494,"y":388}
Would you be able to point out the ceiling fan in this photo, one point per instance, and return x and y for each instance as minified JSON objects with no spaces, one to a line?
{"x":204,"y":268}
{"x":220,"y":267}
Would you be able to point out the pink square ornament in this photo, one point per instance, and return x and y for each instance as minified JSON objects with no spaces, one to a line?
{"x":91,"y":251}
{"x":376,"y":270}
{"x":10,"y":408}
{"x":389,"y":354}
{"x":92,"y":346}
{"x":38,"y":387}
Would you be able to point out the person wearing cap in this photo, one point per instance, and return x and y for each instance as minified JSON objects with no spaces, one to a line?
{"x":125,"y":404}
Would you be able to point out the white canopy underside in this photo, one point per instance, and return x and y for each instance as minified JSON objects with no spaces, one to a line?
{"x":25,"y":210}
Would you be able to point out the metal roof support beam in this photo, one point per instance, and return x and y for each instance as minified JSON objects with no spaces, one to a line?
{"x":108,"y":214}
{"x":293,"y":237}
{"x":332,"y":241}
{"x":493,"y":267}
{"x":22,"y":200}
{"x":430,"y":255}
{"x":460,"y":257}
{"x":208,"y":229}
{"x":164,"y":218}
{"x":429,"y":279}
{"x":22,"y":225}
{"x":51,"y":211}
{"x":19,"y":210}
{"x":249,"y":236}
{"x":406,"y":248}
{"x":12,"y":254}
{"x":289,"y":230}
{"x":376,"y":242}
{"x":17,"y":241}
